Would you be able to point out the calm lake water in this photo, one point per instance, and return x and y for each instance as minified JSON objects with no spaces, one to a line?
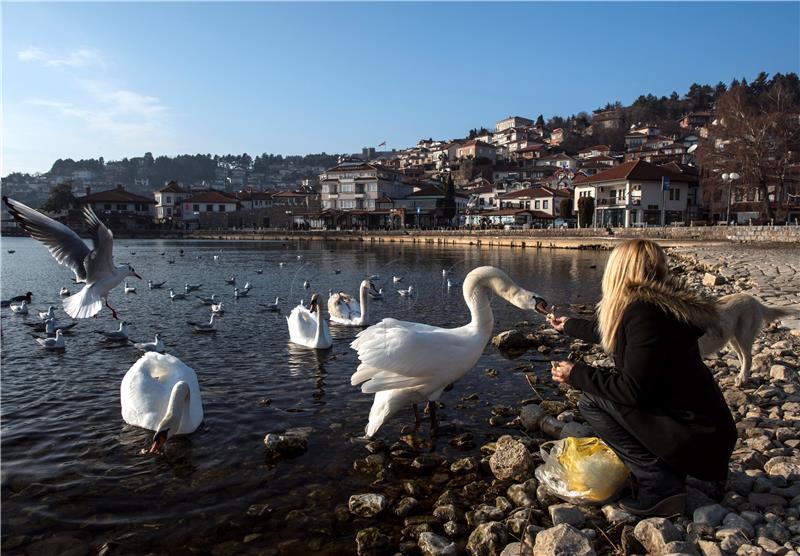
{"x":72,"y":467}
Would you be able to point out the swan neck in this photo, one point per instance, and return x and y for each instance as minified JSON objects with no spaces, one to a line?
{"x":364,"y":301}
{"x":480,"y":308}
{"x":178,"y":401}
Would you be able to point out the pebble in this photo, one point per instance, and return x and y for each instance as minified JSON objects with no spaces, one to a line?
{"x":712,"y":514}
{"x":511,"y":460}
{"x":367,"y":505}
{"x":562,"y":540}
{"x":566,"y":513}
{"x":654,"y":533}
{"x":431,"y":544}
{"x":487,"y":539}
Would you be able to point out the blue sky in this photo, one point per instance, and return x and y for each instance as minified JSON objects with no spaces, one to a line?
{"x":94,"y":79}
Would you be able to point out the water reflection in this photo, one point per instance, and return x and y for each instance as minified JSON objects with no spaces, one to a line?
{"x":305,"y":362}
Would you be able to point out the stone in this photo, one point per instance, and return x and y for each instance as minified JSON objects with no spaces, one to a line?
{"x":484,"y":514}
{"x":371,"y":542}
{"x":448,"y":512}
{"x":488,"y":539}
{"x":465,"y":465}
{"x":712,"y":514}
{"x":709,"y":548}
{"x":523,"y":495}
{"x":517,"y":549}
{"x":531,"y":415}
{"x":616,"y":515}
{"x":764,"y":499}
{"x":736,"y":521}
{"x":749,"y":550}
{"x":431,"y":544}
{"x":367,"y":505}
{"x":288,"y":445}
{"x":511,"y":460}
{"x":562,"y":540}
{"x":566,"y":513}
{"x":405,"y":506}
{"x":453,"y":529}
{"x":784,"y":466}
{"x":680,"y":547}
{"x":578,"y":430}
{"x":545,"y":497}
{"x":712,"y":280}
{"x":514,"y":340}
{"x":654,"y":533}
{"x":731,"y":539}
{"x":782,"y":373}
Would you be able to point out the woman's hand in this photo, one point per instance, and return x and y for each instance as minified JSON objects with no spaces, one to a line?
{"x":557,"y":322}
{"x":560,"y":370}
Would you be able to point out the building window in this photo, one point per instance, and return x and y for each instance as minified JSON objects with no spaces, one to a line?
{"x":169,"y":212}
{"x":209,"y":208}
{"x":674,"y":194}
{"x":121,"y":207}
{"x":536,"y":204}
{"x":169,"y":200}
{"x":545,"y":204}
{"x":196,"y":208}
{"x":221,"y":208}
{"x":346,"y":188}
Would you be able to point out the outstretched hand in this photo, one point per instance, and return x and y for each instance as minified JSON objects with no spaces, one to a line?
{"x":561,"y":370}
{"x":557,"y":322}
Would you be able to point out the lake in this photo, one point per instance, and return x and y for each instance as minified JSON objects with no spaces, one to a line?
{"x":72,"y":468}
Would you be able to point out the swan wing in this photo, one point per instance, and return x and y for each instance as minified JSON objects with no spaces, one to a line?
{"x":302,"y":325}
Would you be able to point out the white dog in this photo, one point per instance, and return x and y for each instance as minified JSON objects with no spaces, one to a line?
{"x":741,"y":319}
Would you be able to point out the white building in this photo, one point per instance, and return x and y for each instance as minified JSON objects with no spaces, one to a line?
{"x":355,"y":185}
{"x":512,"y":121}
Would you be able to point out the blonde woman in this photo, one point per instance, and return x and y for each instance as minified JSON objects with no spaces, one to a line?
{"x":661,"y":410}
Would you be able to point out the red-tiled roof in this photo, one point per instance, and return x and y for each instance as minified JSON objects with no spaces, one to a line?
{"x":535,"y":192}
{"x":211,"y":197}
{"x":636,"y":170}
{"x":116,"y":195}
{"x":172,"y":187}
{"x":254,"y":195}
{"x":477,"y":143}
{"x":595,"y":148}
{"x":290,"y":194}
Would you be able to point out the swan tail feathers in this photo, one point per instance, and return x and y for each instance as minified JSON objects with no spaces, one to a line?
{"x":386,"y":404}
{"x":84,"y":304}
{"x":389,"y":381}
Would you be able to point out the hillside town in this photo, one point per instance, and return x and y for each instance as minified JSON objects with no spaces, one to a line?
{"x":522,"y":174}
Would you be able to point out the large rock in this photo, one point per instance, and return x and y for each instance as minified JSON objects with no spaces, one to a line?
{"x":711,"y":280}
{"x":488,"y":539}
{"x":514,"y":340}
{"x":531,"y":416}
{"x":431,"y":544}
{"x":616,"y":515}
{"x":713,"y":514}
{"x":517,"y":549}
{"x":655,"y":533}
{"x":367,"y":505}
{"x":787,"y":467}
{"x":562,"y":540}
{"x":523,"y":495}
{"x":511,"y":460}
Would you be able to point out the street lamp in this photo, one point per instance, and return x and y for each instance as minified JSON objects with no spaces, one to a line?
{"x":729,"y":178}
{"x":291,"y":220}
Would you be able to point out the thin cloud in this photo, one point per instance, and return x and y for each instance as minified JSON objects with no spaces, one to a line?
{"x":79,"y":58}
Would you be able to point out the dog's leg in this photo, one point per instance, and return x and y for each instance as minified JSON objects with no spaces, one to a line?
{"x":746,"y":334}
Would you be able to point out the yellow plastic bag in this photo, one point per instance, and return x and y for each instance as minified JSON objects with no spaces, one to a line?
{"x":581,"y":470}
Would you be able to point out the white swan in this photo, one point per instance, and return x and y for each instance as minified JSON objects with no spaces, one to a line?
{"x":406,"y":363}
{"x":160,"y":393}
{"x":308,"y":327}
{"x":157,"y":345}
{"x":52,"y":343}
{"x":347,"y":311}
{"x":21,"y":309}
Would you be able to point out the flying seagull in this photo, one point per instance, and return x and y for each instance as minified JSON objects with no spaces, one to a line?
{"x":93,"y":267}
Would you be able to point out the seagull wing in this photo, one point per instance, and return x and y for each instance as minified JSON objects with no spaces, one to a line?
{"x":101,"y":260}
{"x":64,"y":244}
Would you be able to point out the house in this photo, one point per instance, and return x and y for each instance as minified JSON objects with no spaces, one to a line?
{"x":121,"y":209}
{"x":631,"y":194}
{"x":563,"y":161}
{"x":607,"y":119}
{"x":556,"y":137}
{"x":207,"y":202}
{"x":510,"y":216}
{"x":594,"y":151}
{"x":168,"y":201}
{"x":444,"y":153}
{"x":475,"y":149}
{"x":251,"y":199}
{"x":542,"y":199}
{"x":694,"y":120}
{"x":512,"y":121}
{"x":426,"y":206}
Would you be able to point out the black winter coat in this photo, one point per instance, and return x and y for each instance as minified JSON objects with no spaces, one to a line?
{"x":661,"y":386}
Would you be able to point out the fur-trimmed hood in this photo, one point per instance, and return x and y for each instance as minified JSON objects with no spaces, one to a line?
{"x":673,"y":297}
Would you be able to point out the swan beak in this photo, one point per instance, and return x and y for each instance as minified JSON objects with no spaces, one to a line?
{"x":158,"y":442}
{"x":540,"y":304}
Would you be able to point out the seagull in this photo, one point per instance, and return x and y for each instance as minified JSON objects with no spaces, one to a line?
{"x":208,"y":300}
{"x":216,"y":257}
{"x":129,"y":289}
{"x":52,"y":343}
{"x":247,"y":286}
{"x":93,"y":267}
{"x":118,"y":335}
{"x":445,"y":272}
{"x":155,"y":285}
{"x":273,"y":307}
{"x":173,"y":296}
{"x":171,"y":261}
{"x":452,"y":284}
{"x":231,"y":280}
{"x":281,"y":264}
{"x":260,"y":271}
{"x":50,"y":326}
{"x":199,"y":327}
{"x":337,"y":271}
{"x":192,"y":287}
{"x":12,"y":251}
{"x":163,"y":253}
{"x":17,"y":299}
{"x":373,"y":277}
{"x":396,"y":279}
{"x":237,"y":293}
{"x":406,"y":293}
{"x":64,"y":291}
{"x":299,"y":257}
{"x":157,"y":345}
{"x":217,"y":308}
{"x":375,"y":294}
{"x":21,"y":309}
{"x":49,"y":314}
{"x":306,"y":284}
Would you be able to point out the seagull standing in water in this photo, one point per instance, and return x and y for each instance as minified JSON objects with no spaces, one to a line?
{"x":92,"y":267}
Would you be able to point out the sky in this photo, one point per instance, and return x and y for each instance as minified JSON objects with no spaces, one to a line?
{"x":84,"y":80}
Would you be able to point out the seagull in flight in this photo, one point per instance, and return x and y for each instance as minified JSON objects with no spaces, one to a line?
{"x":92,"y":267}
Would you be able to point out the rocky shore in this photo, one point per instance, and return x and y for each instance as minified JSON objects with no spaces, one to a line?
{"x":491,"y":504}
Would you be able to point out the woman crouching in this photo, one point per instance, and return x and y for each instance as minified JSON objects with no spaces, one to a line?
{"x":661,"y":411}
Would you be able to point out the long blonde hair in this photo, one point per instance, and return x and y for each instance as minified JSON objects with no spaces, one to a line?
{"x":635,"y":261}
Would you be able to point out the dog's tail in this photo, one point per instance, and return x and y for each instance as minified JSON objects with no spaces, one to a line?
{"x":775,"y":313}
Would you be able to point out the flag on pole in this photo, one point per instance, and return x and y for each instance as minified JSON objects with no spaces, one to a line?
{"x":382,"y":144}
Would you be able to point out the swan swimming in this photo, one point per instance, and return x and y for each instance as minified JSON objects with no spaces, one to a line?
{"x":405,"y":363}
{"x":161,"y":393}
{"x":157,"y":345}
{"x":346,"y":311}
{"x":308,"y":327}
